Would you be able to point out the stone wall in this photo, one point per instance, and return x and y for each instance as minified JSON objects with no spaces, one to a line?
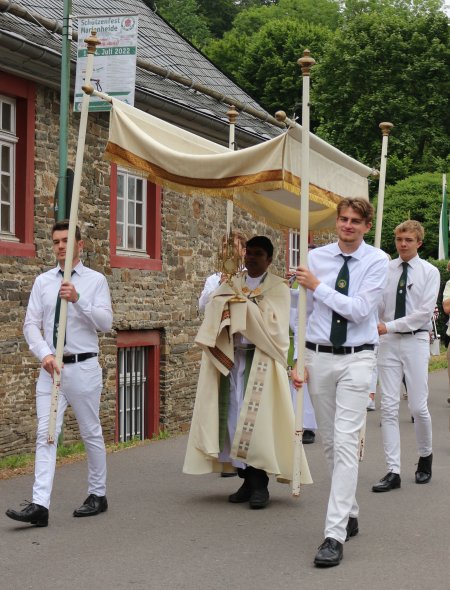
{"x":163,"y":300}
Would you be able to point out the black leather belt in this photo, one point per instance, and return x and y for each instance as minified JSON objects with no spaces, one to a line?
{"x":412,"y":332}
{"x":339,"y":349}
{"x":78,"y":358}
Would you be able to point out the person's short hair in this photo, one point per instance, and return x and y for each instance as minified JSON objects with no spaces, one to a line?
{"x":62,"y":225}
{"x":412,"y":226}
{"x":261,"y":242}
{"x":359,"y":205}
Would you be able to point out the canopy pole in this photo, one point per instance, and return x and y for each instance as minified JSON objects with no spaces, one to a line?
{"x":91,"y":42}
{"x":306,"y":63}
{"x":232,"y":116}
{"x":385,"y":130}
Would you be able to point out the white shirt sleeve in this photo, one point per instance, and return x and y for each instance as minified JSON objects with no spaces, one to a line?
{"x":99,"y":311}
{"x":211,"y":284}
{"x":33,"y":324}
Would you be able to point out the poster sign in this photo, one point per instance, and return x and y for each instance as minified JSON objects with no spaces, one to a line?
{"x":114,"y":61}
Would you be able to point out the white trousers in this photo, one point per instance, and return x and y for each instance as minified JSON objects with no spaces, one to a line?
{"x":339,"y":386}
{"x":309,"y":418}
{"x":404,"y":354}
{"x":81,"y":386}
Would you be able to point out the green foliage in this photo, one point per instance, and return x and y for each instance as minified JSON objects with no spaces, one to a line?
{"x":185,"y":17}
{"x":387,"y":66}
{"x":416,"y":197}
{"x":219,"y":15}
{"x":275,"y":76}
{"x":243,"y":42}
{"x":70,"y":450}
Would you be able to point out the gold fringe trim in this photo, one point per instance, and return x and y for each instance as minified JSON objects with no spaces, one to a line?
{"x":229,"y":188}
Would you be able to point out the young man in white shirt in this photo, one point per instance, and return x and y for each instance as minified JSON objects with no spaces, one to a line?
{"x":89,"y":311}
{"x":405,"y":315}
{"x":345,"y":282}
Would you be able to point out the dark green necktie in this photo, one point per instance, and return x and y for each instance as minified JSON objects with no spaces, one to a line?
{"x":57,"y":314}
{"x":400,"y":298}
{"x":338,"y":334}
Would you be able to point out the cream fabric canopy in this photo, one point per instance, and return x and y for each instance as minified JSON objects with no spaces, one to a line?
{"x":264,"y":179}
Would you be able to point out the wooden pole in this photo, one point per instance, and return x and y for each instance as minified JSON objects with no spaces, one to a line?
{"x":306,"y":62}
{"x":385,"y":130}
{"x":232,"y":116}
{"x":91,"y":42}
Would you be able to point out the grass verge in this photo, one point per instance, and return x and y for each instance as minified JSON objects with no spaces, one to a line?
{"x":14,"y":465}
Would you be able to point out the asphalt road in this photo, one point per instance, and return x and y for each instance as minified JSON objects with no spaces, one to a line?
{"x":166,"y":530}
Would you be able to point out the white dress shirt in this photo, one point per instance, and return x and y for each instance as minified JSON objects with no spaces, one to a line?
{"x":211,"y":284}
{"x":90,"y":313}
{"x":367,"y":272}
{"x":422,"y":289}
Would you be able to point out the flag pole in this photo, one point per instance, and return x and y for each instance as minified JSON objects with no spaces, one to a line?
{"x":385,"y":130}
{"x":232,"y":116}
{"x":443,"y":223}
{"x":306,"y":63}
{"x":91,"y":43}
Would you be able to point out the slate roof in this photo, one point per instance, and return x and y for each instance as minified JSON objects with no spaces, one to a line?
{"x":158,"y":43}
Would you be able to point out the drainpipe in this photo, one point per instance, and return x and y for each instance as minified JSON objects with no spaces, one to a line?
{"x":60,"y":209}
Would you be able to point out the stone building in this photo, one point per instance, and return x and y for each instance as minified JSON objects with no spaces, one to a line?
{"x":155,"y":262}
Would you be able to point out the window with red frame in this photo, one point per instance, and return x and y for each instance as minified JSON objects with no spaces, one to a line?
{"x":135,"y":222}
{"x":17,"y":123}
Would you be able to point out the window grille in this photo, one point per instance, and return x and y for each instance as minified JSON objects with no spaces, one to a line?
{"x":133,"y":392}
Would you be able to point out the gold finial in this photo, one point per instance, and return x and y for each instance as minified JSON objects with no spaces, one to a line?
{"x":232,"y":114}
{"x":280,"y":116}
{"x":88,"y":89}
{"x":92,"y":41}
{"x":385,"y":127}
{"x":306,"y":62}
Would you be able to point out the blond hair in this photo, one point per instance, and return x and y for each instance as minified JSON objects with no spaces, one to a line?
{"x":411,"y":226}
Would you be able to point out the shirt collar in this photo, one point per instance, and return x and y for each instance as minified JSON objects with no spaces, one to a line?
{"x":412,"y":263}
{"x":78,"y":269}
{"x":357,"y":254}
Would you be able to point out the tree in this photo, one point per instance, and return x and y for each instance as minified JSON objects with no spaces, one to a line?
{"x":184,"y":16}
{"x":245,"y":40}
{"x":219,"y":15}
{"x":269,"y":69}
{"x":387,"y":66}
{"x":416,"y":197}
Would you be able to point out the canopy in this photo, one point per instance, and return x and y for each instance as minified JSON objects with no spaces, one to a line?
{"x":264,"y":179}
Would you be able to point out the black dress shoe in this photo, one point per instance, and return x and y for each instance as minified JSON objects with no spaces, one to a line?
{"x":92,"y":505}
{"x":423,"y":473}
{"x":308,"y":437}
{"x":390,"y":481}
{"x":228,"y":474}
{"x":33,"y":513}
{"x":242,"y":495}
{"x":259,"y":498}
{"x":330,"y":553}
{"x":352,"y":527}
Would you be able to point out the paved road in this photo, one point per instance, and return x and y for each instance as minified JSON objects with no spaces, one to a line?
{"x":165,"y":530}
